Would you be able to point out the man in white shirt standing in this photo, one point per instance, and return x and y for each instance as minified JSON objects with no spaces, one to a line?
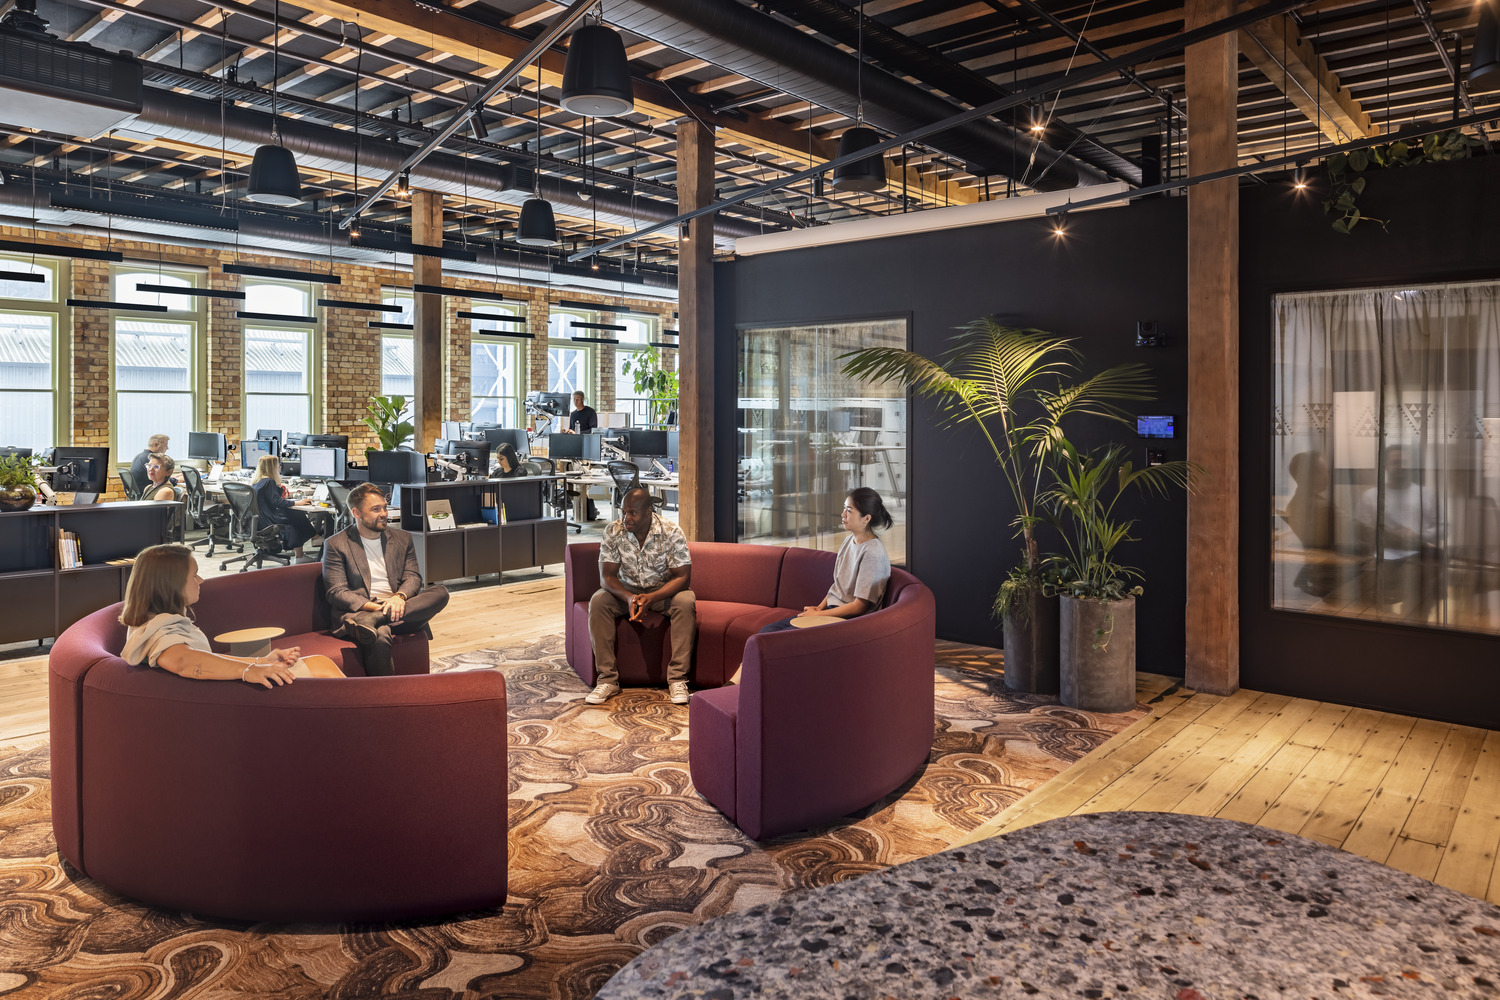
{"x":373,"y":581}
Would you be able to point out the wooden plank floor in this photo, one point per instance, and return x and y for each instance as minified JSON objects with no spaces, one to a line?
{"x":1420,"y":796}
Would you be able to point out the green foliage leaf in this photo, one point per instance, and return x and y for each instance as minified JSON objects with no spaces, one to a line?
{"x":1359,"y":159}
{"x":1358,"y":185}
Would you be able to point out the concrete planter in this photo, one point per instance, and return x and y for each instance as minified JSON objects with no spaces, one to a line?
{"x":1031,"y":646}
{"x":1098,"y":654}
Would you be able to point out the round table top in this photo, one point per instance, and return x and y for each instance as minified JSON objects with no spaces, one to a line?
{"x":263,"y":634}
{"x":813,"y":621}
{"x":1100,"y":906}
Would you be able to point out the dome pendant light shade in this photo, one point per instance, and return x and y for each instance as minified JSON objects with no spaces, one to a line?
{"x":273,"y":178}
{"x":537,"y":229}
{"x":862,"y":175}
{"x":596,"y":78}
{"x":1484,"y":59}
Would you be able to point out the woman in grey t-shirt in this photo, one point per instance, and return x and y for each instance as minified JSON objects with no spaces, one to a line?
{"x":863,"y":568}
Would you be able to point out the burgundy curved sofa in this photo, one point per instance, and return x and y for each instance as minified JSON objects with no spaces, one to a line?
{"x":824,"y":721}
{"x":353,"y":799}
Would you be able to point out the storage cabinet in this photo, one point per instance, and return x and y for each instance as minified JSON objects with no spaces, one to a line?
{"x":531,"y":536}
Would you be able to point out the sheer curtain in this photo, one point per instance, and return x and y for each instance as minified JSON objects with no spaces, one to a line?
{"x":1386,"y":463}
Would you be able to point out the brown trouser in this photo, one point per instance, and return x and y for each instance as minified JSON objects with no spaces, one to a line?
{"x":605,"y":609}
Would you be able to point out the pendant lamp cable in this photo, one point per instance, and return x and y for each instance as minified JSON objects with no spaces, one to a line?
{"x":859,"y":69}
{"x":536,"y":179}
{"x":275,"y":67}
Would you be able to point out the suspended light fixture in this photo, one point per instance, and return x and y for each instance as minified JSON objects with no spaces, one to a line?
{"x":273,"y":172}
{"x":1484,"y":58}
{"x":538,"y":228}
{"x":867,"y":174}
{"x":596,"y":77}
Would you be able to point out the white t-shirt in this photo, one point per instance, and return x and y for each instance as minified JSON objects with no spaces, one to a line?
{"x":380,"y":581}
{"x":862,"y":570}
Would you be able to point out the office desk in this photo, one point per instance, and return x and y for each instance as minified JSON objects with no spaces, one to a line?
{"x":585,"y":480}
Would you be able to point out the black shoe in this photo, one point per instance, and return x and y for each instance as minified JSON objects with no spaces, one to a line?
{"x":360,"y":627}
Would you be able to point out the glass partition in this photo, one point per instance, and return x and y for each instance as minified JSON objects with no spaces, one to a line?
{"x":808,"y":435}
{"x":1386,"y":455}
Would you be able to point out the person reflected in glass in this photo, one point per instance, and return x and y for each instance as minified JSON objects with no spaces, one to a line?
{"x":1311,"y":516}
{"x":1400,"y":522}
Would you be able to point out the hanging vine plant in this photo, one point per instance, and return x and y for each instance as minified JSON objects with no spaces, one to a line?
{"x":1346,"y":171}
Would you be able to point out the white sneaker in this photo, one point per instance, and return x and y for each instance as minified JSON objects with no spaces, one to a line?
{"x":679,"y":692}
{"x":602,"y":693}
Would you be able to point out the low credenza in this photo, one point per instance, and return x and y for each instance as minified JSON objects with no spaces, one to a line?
{"x":41,"y":600}
{"x":530,"y":536}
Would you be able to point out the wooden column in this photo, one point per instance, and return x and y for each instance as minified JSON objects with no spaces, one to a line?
{"x":427,"y":337}
{"x":695,"y":305}
{"x":1213,"y":610}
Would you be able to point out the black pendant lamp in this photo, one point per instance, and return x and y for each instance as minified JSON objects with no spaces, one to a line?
{"x":273,"y":172}
{"x":1484,"y":59}
{"x":538,"y":228}
{"x":596,"y":77}
{"x":867,"y":174}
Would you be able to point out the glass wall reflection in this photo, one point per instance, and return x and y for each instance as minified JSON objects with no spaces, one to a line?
{"x":1386,"y":455}
{"x":808,"y":435}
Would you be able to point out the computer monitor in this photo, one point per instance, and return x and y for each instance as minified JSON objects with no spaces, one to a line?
{"x":206,"y":447}
{"x":454,"y":429}
{"x":442,"y":446}
{"x":81,"y":469}
{"x":496,"y":436}
{"x":13,"y":451}
{"x":565,"y":445}
{"x":327,"y":441}
{"x":297,"y":438}
{"x":397,"y":467}
{"x":648,"y":444}
{"x":323,"y":463}
{"x":556,"y":403}
{"x":274,"y":436}
{"x":475,"y":456}
{"x":252,"y":450}
{"x":673,"y":440}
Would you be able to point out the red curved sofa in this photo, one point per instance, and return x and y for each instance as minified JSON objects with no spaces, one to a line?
{"x":824,"y":721}
{"x":353,"y":799}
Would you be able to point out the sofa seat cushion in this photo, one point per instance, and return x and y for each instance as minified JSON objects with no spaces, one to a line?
{"x":642,"y":648}
{"x":713,"y":717}
{"x":409,"y":653}
{"x":723,"y":628}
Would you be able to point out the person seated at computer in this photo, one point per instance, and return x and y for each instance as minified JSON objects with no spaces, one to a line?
{"x":644,"y":565}
{"x":158,"y":482}
{"x":373,"y":581}
{"x":156,"y":444}
{"x":159,"y":596}
{"x":583,"y":419}
{"x":276,"y":507}
{"x":863,"y":567}
{"x":507,"y":462}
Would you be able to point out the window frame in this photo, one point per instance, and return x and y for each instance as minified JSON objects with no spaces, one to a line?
{"x":313,"y":346}
{"x":517,"y":379}
{"x":60,"y":382}
{"x":196,"y":317}
{"x":590,"y":356}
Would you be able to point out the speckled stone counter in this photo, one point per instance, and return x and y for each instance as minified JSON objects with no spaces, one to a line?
{"x":1108,"y":905}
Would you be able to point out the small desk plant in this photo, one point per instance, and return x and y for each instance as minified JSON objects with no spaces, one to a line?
{"x":18,"y":482}
{"x":1017,"y":386}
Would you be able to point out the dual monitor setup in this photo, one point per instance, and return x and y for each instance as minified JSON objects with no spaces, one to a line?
{"x":318,"y":456}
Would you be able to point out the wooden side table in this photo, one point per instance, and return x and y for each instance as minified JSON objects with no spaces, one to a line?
{"x":813,"y":621}
{"x":250,"y":641}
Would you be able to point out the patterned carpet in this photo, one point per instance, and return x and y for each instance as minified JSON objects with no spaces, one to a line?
{"x":611,"y":851}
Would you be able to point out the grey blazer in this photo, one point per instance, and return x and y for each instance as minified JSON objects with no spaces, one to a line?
{"x":346,"y":570}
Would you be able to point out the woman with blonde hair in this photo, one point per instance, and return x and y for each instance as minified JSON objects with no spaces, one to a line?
{"x":163,"y":586}
{"x":159,"y":469}
{"x":276,"y":507}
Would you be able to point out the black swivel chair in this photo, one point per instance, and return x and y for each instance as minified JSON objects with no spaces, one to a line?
{"x":131,"y":487}
{"x":265,"y":540}
{"x":559,"y":499}
{"x":216,"y":517}
{"x":627,"y":476}
{"x":343,"y":517}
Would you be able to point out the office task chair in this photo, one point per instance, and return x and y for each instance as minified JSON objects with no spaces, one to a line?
{"x":627,"y":476}
{"x":559,"y":499}
{"x":131,"y":487}
{"x":343,"y":517}
{"x":265,"y":541}
{"x":216,"y":517}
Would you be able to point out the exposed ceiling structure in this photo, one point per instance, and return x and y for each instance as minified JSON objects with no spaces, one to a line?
{"x":359,"y":85}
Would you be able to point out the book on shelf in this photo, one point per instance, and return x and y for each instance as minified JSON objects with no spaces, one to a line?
{"x":69,"y":549}
{"x":440,"y":515}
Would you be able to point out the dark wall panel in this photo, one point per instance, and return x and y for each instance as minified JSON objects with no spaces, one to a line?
{"x":1441,"y":220}
{"x":1113,"y":267}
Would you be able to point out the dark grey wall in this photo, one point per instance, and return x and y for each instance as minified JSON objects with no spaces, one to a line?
{"x":1113,"y":267}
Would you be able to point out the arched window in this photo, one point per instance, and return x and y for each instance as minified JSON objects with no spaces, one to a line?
{"x":279,"y":357}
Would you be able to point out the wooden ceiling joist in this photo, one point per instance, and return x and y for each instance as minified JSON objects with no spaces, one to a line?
{"x":1288,"y":60}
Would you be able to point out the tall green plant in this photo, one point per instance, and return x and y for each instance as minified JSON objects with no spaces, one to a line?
{"x":657,"y":384}
{"x":1089,"y":486}
{"x":388,"y":420}
{"x":1017,"y":386}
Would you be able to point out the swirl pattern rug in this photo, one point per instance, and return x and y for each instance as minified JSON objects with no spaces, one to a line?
{"x":611,"y":851}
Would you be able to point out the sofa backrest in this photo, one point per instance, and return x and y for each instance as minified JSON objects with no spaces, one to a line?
{"x":291,"y":597}
{"x":806,"y":575}
{"x":722,"y":571}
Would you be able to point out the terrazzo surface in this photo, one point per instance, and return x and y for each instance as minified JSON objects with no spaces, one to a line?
{"x":1097,"y":906}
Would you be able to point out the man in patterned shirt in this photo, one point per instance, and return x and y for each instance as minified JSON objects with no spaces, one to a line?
{"x":645,"y":566}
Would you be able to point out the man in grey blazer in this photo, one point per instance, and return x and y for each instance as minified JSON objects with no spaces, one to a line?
{"x":373,"y":581}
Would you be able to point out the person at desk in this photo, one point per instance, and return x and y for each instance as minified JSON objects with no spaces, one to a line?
{"x":276,"y":507}
{"x":156,"y":444}
{"x":370,"y":570}
{"x":583,"y":419}
{"x":163,"y":587}
{"x":158,"y":481}
{"x":507,"y":462}
{"x":644,"y":565}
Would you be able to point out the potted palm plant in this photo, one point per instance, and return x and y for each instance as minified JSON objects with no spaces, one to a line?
{"x":1017,"y":386}
{"x":1097,"y":641}
{"x":18,"y":483}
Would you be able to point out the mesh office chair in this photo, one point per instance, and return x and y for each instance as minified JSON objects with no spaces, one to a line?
{"x":559,"y":499}
{"x":266,"y":541}
{"x":627,"y":476}
{"x":343,"y":517}
{"x":128,"y":483}
{"x":216,"y":517}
